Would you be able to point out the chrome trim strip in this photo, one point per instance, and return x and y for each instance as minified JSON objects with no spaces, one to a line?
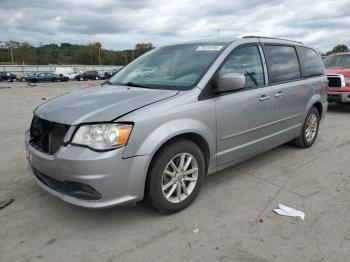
{"x":259,"y":127}
{"x":257,"y":140}
{"x":69,"y":134}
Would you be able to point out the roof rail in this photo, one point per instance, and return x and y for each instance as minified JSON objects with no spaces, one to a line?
{"x":266,"y":37}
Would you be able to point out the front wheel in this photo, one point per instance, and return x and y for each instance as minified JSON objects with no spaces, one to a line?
{"x":310,"y":129}
{"x":175,"y":176}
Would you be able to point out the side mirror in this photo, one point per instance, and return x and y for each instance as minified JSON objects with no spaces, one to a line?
{"x":230,"y":82}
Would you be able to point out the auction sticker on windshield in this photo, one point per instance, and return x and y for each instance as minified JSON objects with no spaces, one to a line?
{"x":209,"y":48}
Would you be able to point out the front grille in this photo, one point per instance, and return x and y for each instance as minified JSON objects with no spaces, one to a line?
{"x":47,"y":136}
{"x":334,"y":81}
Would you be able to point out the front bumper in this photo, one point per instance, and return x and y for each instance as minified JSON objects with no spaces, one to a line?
{"x":111,"y":179}
{"x":339,"y":97}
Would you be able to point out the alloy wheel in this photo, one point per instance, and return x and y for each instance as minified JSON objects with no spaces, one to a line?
{"x":311,"y":127}
{"x":179,"y":177}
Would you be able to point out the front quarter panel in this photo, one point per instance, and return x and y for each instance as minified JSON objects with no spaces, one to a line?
{"x":158,"y":123}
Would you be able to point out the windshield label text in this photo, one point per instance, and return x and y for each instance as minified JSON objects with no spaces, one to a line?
{"x":209,"y":48}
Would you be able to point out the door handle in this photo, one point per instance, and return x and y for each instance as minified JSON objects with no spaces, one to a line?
{"x":264,"y":98}
{"x":279,"y":94}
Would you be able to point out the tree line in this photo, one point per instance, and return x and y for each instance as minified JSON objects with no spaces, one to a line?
{"x":337,"y":49}
{"x":67,"y":53}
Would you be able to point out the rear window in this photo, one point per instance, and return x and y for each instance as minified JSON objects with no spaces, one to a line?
{"x":311,"y":62}
{"x":282,"y":62}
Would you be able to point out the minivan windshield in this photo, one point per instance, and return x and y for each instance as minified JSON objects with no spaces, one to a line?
{"x":177,"y":67}
{"x":337,"y":61}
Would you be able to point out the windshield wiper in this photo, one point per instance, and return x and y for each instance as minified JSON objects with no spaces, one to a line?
{"x":130,"y":84}
{"x":137,"y":85}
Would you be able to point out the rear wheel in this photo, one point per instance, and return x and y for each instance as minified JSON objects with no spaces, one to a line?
{"x":310,"y":129}
{"x":175,"y":176}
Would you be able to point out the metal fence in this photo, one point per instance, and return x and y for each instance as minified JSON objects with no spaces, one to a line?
{"x":51,"y":68}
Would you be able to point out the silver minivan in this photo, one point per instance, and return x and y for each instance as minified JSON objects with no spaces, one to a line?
{"x":155,"y":134}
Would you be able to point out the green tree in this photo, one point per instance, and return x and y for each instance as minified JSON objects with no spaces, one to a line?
{"x":24,"y":53}
{"x":67,"y":53}
{"x":5,"y":55}
{"x":142,"y":48}
{"x":338,"y":49}
{"x":129,"y":56}
{"x":82,"y":56}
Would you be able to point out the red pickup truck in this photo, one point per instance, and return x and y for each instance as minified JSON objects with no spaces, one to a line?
{"x":338,"y":73}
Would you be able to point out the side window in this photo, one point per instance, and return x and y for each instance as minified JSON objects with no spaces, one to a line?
{"x":311,"y":62}
{"x":247,"y":61}
{"x":282,"y":62}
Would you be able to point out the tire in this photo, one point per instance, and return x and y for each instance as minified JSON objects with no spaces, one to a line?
{"x":54,"y":79}
{"x":160,"y":184}
{"x":304,"y":141}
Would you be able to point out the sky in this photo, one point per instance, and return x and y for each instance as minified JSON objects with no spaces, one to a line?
{"x":121,"y":24}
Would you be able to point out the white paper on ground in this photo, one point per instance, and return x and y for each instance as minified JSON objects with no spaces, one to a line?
{"x":288,"y":211}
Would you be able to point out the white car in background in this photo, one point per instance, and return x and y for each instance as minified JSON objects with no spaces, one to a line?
{"x":70,"y":72}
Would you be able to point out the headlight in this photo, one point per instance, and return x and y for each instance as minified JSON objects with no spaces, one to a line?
{"x":102,"y":136}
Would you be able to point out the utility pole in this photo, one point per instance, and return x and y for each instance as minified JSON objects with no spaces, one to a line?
{"x":218,"y":34}
{"x":99,"y":55}
{"x":90,"y":49}
{"x":11,"y":51}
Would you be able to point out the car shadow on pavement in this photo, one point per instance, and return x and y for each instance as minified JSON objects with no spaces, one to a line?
{"x":339,"y":108}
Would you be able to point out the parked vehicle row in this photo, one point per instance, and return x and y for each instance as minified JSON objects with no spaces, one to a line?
{"x":88,"y":75}
{"x":45,"y":77}
{"x":95,"y":75}
{"x":59,"y":75}
{"x":70,"y":72}
{"x":7,"y":76}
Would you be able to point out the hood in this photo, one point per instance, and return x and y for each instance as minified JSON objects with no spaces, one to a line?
{"x":99,"y":104}
{"x":338,"y":70}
